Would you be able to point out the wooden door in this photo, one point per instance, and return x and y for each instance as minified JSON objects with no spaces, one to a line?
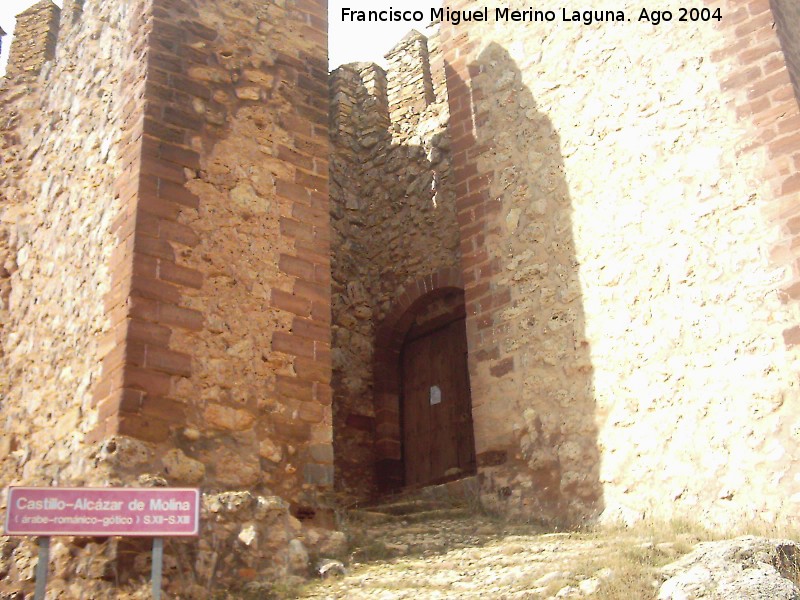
{"x":438,"y":440}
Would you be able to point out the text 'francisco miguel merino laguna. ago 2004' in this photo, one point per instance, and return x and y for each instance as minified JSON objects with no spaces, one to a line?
{"x":528,"y":15}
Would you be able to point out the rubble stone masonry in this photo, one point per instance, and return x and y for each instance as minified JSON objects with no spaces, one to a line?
{"x":393,"y":218}
{"x":184,"y":301}
{"x":165,"y":281}
{"x":626,"y":197}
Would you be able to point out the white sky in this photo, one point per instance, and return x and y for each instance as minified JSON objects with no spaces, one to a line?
{"x":354,"y":42}
{"x":349,"y":42}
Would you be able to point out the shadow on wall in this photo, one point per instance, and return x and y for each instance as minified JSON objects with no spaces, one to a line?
{"x":787,"y":20}
{"x":530,"y":365}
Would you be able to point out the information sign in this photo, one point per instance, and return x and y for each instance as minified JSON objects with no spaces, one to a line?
{"x":150,"y":512}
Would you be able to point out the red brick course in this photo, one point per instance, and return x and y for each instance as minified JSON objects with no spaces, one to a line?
{"x":477,"y":213}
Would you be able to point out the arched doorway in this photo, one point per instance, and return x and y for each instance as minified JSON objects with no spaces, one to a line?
{"x":424,"y":430}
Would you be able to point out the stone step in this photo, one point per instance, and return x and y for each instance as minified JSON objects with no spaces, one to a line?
{"x":452,"y":493}
{"x":438,"y":514}
{"x":370,"y":517}
{"x":386,"y":523}
{"x":377,"y":519}
{"x":446,"y":501}
{"x":407,"y":506}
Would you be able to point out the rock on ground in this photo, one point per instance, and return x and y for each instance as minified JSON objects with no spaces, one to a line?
{"x":745,"y":568}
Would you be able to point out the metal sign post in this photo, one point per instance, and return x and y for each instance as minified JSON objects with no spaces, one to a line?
{"x":157,"y":567}
{"x":41,"y":568}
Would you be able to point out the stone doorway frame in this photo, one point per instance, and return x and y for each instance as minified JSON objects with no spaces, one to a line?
{"x":389,"y":338}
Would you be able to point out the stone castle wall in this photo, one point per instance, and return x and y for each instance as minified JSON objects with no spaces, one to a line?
{"x":626,"y":225}
{"x":236,"y":123}
{"x":61,"y":157}
{"x":184,"y":301}
{"x":625,"y":213}
{"x":393,"y":216}
{"x":58,"y":228}
{"x":165,"y":282}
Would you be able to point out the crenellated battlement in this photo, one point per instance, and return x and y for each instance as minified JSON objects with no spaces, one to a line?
{"x":35,"y":38}
{"x":411,"y":88}
{"x":39,"y":33}
{"x":358,"y":89}
{"x":407,"y":100}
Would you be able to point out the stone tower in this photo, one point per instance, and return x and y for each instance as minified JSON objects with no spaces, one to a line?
{"x":165,"y":265}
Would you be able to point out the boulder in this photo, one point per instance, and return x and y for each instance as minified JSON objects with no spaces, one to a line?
{"x":745,"y":568}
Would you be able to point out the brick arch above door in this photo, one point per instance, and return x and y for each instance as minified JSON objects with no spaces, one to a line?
{"x":389,"y":338}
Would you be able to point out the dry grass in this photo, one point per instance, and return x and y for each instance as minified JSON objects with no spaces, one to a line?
{"x":624,"y":562}
{"x":636,"y":567}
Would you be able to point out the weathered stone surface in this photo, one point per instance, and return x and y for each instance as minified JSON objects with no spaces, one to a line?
{"x":161,"y":163}
{"x":646,"y":315}
{"x":298,"y":557}
{"x":335,"y":545}
{"x":269,"y":450}
{"x":251,"y":531}
{"x":223,"y":417}
{"x":259,"y":359}
{"x":62,"y":141}
{"x":746,"y":568}
{"x":180,"y":468}
{"x":330,"y":568}
{"x":57,"y":232}
{"x":394,"y":223}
